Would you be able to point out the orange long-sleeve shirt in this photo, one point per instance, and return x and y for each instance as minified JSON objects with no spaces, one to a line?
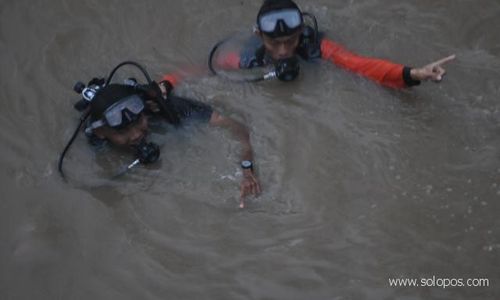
{"x":381,"y":71}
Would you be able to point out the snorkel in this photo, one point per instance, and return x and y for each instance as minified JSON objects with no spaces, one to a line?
{"x":115,"y":113}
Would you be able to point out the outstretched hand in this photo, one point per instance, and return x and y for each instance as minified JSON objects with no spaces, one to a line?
{"x":433,"y":71}
{"x":248,"y":186}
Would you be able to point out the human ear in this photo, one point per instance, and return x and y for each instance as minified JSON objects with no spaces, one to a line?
{"x":99,"y":132}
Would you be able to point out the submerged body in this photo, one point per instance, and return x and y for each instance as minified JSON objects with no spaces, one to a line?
{"x":281,"y":34}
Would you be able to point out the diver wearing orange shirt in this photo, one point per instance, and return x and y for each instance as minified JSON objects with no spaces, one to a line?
{"x":282,"y":36}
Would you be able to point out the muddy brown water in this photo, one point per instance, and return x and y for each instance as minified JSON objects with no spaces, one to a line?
{"x":360,"y":183}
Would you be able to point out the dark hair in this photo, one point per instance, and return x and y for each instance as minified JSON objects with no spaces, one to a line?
{"x":270,"y":5}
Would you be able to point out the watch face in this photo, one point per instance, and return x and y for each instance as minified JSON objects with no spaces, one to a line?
{"x":246,"y":164}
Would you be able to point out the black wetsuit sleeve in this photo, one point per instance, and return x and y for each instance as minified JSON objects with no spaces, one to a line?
{"x":190,"y":110}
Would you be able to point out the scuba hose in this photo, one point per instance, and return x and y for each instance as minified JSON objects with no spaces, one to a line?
{"x":283,"y":69}
{"x":311,"y":43}
{"x":315,"y":24}
{"x":151,"y":89}
{"x":214,"y":72}
{"x":211,"y":55}
{"x":84,"y":103}
{"x":144,"y":72}
{"x":73,"y":137}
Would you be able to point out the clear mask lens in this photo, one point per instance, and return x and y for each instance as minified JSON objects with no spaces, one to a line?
{"x":291,"y":17}
{"x":129,"y":107}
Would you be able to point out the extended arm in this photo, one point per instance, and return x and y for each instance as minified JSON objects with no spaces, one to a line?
{"x":382,"y":71}
{"x":249,"y":185}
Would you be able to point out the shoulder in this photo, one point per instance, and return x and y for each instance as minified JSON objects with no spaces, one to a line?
{"x":252,"y":53}
{"x":190,"y":109}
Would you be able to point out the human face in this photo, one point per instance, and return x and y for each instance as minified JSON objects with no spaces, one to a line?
{"x":131,"y":135}
{"x":281,"y":47}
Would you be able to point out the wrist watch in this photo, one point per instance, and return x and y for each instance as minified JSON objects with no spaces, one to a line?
{"x":247,"y":164}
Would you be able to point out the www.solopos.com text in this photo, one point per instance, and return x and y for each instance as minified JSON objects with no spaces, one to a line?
{"x":439,"y":282}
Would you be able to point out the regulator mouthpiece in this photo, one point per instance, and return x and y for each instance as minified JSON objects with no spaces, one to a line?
{"x":285,"y":69}
{"x":147,"y":153}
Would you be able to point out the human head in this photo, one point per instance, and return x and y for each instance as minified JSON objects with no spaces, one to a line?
{"x":116,"y":114}
{"x":280,"y":24}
